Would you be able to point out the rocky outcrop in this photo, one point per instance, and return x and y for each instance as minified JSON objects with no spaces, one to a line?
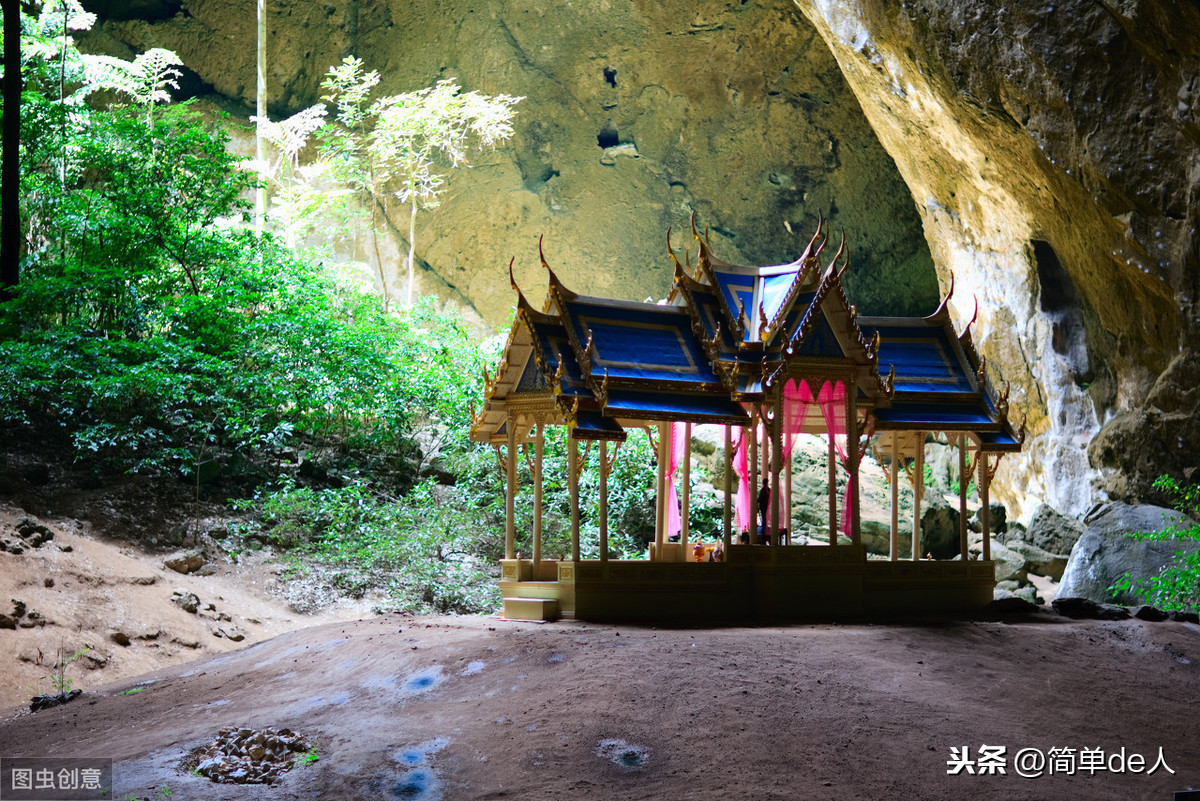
{"x":634,"y":116}
{"x":1105,"y":552}
{"x":1051,"y":152}
{"x":1052,"y":531}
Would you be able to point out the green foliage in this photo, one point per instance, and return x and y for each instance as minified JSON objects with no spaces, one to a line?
{"x":152,"y":331}
{"x":398,"y":145}
{"x":419,"y":550}
{"x":956,"y":485}
{"x":58,"y":680}
{"x":1177,"y":586}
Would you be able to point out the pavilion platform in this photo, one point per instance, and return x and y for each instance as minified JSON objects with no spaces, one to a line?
{"x":799,"y":582}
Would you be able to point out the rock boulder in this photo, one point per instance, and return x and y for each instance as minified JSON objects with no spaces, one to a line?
{"x":1105,"y":553}
{"x":1052,"y":532}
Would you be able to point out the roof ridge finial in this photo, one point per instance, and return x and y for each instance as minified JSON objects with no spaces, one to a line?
{"x":671,"y":254}
{"x":557,"y":290}
{"x":824,"y":240}
{"x":511,"y":279}
{"x":843,"y":254}
{"x":813,"y":242}
{"x":1002,"y":401}
{"x":966,"y":334}
{"x":743,"y":320}
{"x":943,"y":309}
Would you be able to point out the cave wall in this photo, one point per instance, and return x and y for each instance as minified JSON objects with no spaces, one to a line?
{"x":734,"y":110}
{"x":1052,"y":152}
{"x":1046,"y":156}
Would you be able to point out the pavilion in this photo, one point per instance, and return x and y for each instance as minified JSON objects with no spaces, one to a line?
{"x":767,"y":353}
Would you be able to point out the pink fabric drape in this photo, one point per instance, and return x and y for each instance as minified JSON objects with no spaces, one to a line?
{"x":741,"y":467}
{"x":678,"y":439}
{"x":796,"y":400}
{"x":832,"y":398}
{"x":797,"y":397}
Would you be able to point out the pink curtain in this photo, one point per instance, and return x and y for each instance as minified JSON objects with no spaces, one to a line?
{"x":832,"y":398}
{"x":678,"y":440}
{"x":796,"y":400}
{"x":741,"y":467}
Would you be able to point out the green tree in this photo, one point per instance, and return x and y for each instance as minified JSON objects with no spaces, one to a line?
{"x":399,"y":145}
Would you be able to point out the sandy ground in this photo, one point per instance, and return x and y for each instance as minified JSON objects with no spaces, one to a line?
{"x":479,"y":708}
{"x":99,"y":588}
{"x":450,"y":708}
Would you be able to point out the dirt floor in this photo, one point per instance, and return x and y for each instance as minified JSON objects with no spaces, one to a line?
{"x":449,"y":708}
{"x":481,"y":708}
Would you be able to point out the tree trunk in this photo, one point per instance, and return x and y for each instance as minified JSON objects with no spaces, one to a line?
{"x":377,"y":207}
{"x":10,"y":171}
{"x":260,"y":94}
{"x":412,"y":247}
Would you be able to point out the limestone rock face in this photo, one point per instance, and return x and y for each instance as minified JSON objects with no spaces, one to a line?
{"x":1105,"y":553}
{"x":1052,"y":531}
{"x":1046,"y":154}
{"x":1051,"y":150}
{"x":634,"y":116}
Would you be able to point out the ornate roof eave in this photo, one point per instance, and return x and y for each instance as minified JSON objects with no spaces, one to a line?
{"x":681,"y":273}
{"x":808,"y":263}
{"x":734,"y":318}
{"x":527,"y":315}
{"x":558,"y":292}
{"x":686,"y":285}
{"x":967,"y":342}
{"x":561,"y":295}
{"x":864,"y":351}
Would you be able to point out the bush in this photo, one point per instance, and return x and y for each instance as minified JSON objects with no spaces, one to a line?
{"x":420,"y":552}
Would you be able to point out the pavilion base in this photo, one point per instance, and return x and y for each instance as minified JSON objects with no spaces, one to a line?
{"x":755,"y":583}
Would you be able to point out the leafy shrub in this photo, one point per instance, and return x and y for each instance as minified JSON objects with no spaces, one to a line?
{"x":420,"y":552}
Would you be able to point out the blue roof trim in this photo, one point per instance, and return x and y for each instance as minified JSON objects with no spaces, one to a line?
{"x":821,"y":341}
{"x":594,"y":425}
{"x":552,"y":339}
{"x":630,"y":403}
{"x":774,"y":292}
{"x":925,"y":360}
{"x":933,"y":415}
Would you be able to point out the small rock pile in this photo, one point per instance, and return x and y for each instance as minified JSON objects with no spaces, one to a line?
{"x":30,"y":533}
{"x":21,"y":617}
{"x":246,"y":756}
